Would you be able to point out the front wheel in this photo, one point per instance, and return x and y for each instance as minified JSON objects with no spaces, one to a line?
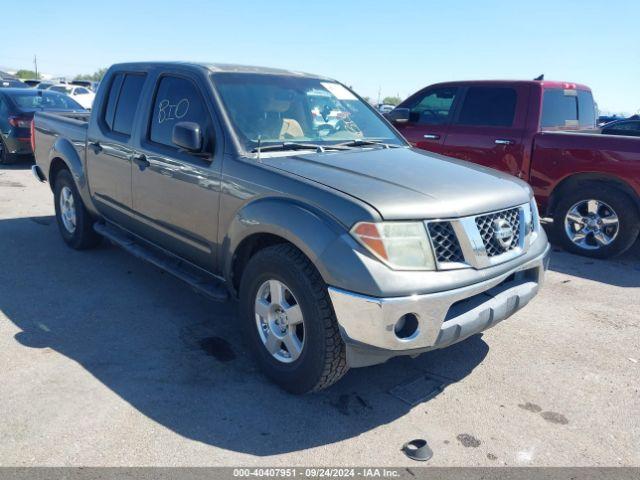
{"x":289,"y":321}
{"x":596,"y":221}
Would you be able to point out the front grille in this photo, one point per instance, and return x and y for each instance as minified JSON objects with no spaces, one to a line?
{"x":445,"y":243}
{"x":487,"y":227}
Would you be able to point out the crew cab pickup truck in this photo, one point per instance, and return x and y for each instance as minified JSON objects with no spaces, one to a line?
{"x":344,"y":246}
{"x":544,"y":133}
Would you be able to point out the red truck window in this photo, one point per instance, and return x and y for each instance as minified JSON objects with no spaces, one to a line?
{"x":488,"y":106}
{"x":433,"y":107}
{"x":586,"y":109}
{"x":568,"y":108}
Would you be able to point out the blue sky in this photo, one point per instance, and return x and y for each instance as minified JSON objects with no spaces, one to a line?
{"x":397,"y":46}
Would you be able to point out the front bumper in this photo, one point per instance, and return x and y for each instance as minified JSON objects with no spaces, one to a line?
{"x":367,"y":324}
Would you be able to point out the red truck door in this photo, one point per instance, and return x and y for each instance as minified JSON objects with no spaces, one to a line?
{"x":489,"y":126}
{"x":430,"y":112}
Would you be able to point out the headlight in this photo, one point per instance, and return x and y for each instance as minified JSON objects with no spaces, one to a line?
{"x":533,"y":227}
{"x":401,"y":245}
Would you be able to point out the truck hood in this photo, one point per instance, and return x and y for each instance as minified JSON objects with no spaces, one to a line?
{"x":404,"y":183}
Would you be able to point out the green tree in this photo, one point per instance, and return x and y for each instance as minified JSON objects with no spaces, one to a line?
{"x":392,"y":100}
{"x":93,"y":77}
{"x":26,"y":74}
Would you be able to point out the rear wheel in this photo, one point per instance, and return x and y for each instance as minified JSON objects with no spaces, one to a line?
{"x":596,"y":221}
{"x":74,"y":221}
{"x":289,"y":321}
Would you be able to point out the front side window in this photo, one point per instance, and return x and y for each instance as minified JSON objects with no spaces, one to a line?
{"x":177,"y":100}
{"x":81,"y":91}
{"x":488,"y":106}
{"x":434,"y":107}
{"x":281,"y":108}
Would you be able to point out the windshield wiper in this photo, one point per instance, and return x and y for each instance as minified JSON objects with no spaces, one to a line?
{"x":296,"y":146}
{"x":364,"y":143}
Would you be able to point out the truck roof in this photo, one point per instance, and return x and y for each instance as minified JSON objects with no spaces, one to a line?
{"x":543,"y":83}
{"x":225,"y":68}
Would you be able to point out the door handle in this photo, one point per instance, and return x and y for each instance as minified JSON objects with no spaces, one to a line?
{"x":431,"y":136}
{"x":97,"y":148}
{"x":140,"y":160}
{"x":503,"y":141}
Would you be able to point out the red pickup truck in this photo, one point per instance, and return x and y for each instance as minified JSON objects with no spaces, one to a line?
{"x":544,"y":133}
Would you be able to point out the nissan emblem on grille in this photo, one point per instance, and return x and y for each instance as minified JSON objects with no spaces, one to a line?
{"x":502,"y":233}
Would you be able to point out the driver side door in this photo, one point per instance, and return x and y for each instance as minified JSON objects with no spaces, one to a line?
{"x":176,"y":193}
{"x":430,"y":112}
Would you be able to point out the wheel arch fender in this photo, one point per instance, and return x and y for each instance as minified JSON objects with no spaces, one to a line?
{"x":578,"y":179}
{"x":311,"y":230}
{"x":63,"y":154}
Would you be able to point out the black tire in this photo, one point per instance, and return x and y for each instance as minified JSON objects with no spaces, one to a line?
{"x":5,"y":157}
{"x":626,"y":210}
{"x":83,"y":236}
{"x":322,"y":361}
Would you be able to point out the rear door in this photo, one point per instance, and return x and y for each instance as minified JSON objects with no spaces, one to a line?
{"x":489,"y":127}
{"x":109,"y":147}
{"x":176,"y":193}
{"x":429,"y":114}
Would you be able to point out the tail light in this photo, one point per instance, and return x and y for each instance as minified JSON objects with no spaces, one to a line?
{"x":33,"y":136}
{"x":20,"y":122}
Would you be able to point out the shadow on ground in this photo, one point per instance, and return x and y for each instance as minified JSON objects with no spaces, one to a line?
{"x":18,"y":165}
{"x":621,"y":271}
{"x":178,"y":358}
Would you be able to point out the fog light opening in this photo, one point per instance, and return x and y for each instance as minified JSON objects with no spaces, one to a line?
{"x":407,"y":326}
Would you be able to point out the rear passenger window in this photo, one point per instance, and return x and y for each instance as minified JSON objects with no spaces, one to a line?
{"x":122,"y":103}
{"x":127,"y":103}
{"x":114,"y":91}
{"x":177,"y":100}
{"x":488,"y":106}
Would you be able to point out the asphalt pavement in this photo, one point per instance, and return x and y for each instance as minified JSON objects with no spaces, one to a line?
{"x":107,"y":361}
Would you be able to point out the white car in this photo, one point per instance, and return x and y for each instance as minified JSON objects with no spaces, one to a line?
{"x":82,"y":95}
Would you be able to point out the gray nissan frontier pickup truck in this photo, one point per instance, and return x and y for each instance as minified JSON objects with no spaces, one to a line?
{"x":343,"y":245}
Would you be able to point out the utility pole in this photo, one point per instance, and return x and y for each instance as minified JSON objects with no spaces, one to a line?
{"x":35,"y":65}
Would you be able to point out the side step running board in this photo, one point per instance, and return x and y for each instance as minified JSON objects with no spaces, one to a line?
{"x":201,"y":281}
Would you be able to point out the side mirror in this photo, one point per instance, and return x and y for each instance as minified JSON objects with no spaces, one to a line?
{"x":187,"y":135}
{"x":398,"y":115}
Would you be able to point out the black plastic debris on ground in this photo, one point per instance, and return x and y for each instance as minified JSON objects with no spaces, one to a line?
{"x":420,"y":389}
{"x":418,"y":450}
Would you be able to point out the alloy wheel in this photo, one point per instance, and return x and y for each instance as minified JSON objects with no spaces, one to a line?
{"x":67,"y":209}
{"x":591,"y":224}
{"x":279,"y":321}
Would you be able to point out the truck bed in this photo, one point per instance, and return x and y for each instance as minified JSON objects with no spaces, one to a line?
{"x":50,"y":126}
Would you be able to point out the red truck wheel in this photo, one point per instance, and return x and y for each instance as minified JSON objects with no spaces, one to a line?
{"x":596,"y":221}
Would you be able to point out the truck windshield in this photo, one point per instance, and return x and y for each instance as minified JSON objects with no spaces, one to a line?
{"x":32,"y":100}
{"x":271,"y":109}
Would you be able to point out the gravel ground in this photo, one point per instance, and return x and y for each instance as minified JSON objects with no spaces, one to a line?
{"x":106,"y":361}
